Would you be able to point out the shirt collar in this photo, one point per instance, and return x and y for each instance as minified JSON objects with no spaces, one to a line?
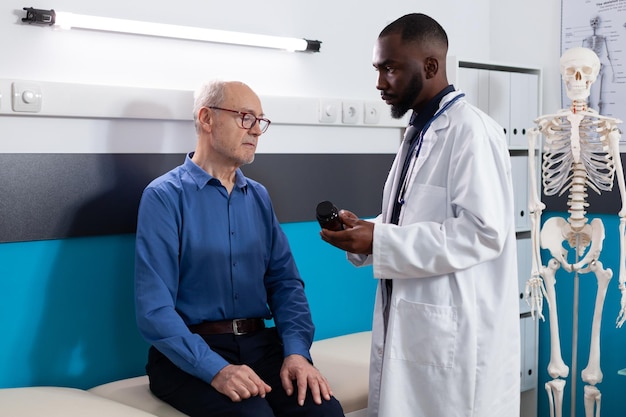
{"x":419,"y":120}
{"x":202,"y":178}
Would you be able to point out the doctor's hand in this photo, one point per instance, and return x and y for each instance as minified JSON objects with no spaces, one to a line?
{"x":357,"y":236}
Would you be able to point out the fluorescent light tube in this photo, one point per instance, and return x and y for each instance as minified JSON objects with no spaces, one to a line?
{"x":71,"y":20}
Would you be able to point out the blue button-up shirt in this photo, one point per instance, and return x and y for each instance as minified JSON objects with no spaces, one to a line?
{"x":205,"y":255}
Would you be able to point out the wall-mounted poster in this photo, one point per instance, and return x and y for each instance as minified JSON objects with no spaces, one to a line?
{"x":599,"y":25}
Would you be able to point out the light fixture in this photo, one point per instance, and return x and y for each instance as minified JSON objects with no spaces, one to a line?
{"x":70,"y":20}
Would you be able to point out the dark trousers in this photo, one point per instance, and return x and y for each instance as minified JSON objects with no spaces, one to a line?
{"x":263,"y":352}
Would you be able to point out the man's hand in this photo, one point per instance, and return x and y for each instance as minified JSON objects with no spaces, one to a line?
{"x":239,"y":382}
{"x":357,"y":236}
{"x":298,"y":368}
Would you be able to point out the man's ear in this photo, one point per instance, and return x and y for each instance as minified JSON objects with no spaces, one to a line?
{"x":431,"y":67}
{"x":205,"y":118}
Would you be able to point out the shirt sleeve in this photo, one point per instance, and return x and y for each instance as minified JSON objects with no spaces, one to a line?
{"x":156,"y":283}
{"x":286,"y":297}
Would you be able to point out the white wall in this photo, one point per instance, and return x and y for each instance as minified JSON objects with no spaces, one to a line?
{"x":343,"y":68}
{"x":529,"y":33}
{"x":498,"y":30}
{"x":507,"y":31}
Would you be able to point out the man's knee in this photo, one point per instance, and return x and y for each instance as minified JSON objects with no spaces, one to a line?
{"x":252,"y":407}
{"x":330,"y":408}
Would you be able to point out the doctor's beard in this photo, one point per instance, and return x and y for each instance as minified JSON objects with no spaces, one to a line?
{"x":407,"y":98}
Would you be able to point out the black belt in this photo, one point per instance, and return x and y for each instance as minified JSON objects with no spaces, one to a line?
{"x":236,"y":327}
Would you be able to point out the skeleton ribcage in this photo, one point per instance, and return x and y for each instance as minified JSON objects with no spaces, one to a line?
{"x":558,"y":159}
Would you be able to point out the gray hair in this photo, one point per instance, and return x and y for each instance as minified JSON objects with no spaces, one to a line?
{"x":209,"y":94}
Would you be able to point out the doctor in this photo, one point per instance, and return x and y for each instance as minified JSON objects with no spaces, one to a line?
{"x":446,"y":320}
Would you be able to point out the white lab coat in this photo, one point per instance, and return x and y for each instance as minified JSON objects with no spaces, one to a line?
{"x":453,"y":340}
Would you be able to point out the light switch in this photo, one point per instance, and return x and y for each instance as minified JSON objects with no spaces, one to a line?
{"x":27,"y":97}
{"x":328,"y":110}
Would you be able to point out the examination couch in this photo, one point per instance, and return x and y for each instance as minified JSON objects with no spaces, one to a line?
{"x":344,"y":360}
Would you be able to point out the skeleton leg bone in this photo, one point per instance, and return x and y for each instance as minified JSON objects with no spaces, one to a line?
{"x":592,"y":374}
{"x":556,"y":366}
{"x":593,"y":397}
{"x":555,"y":390}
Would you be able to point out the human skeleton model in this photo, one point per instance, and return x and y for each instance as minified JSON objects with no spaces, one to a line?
{"x":598,"y":44}
{"x":581,"y":151}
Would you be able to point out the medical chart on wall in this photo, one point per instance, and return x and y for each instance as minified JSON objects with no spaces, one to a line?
{"x":599,"y":25}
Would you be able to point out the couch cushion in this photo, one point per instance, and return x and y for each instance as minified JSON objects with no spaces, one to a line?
{"x":61,"y":402}
{"x":344,"y":361}
{"x":135,"y":392}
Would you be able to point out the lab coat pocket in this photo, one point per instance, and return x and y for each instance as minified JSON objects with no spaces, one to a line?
{"x":425,"y":203}
{"x":424,"y":334}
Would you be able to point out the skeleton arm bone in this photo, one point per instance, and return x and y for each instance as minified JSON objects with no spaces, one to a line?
{"x":614,"y":137}
{"x":621,"y":317}
{"x":534,"y":286}
{"x":534,"y":205}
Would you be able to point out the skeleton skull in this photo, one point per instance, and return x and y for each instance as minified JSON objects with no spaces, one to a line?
{"x":579,"y":68}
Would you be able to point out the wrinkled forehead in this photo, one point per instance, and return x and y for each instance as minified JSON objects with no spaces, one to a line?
{"x":241,"y":97}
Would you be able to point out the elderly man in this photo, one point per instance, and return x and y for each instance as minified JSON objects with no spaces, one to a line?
{"x":212,"y":264}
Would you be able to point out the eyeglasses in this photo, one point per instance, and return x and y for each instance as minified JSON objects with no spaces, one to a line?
{"x":248,"y":120}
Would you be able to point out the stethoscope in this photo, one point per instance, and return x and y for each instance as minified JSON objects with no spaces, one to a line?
{"x":418,"y":147}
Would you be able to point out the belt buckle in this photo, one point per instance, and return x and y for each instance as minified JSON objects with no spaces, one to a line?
{"x":236,"y":331}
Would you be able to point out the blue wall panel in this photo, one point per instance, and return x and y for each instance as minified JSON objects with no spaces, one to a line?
{"x":67,"y":314}
{"x":341,"y":295}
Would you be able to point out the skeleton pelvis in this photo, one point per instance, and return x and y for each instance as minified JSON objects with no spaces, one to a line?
{"x":589,"y":239}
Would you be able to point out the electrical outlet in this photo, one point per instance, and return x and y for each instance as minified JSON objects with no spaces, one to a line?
{"x":371,"y":115}
{"x":329,"y":110}
{"x":350,"y":112}
{"x":26,"y":97}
